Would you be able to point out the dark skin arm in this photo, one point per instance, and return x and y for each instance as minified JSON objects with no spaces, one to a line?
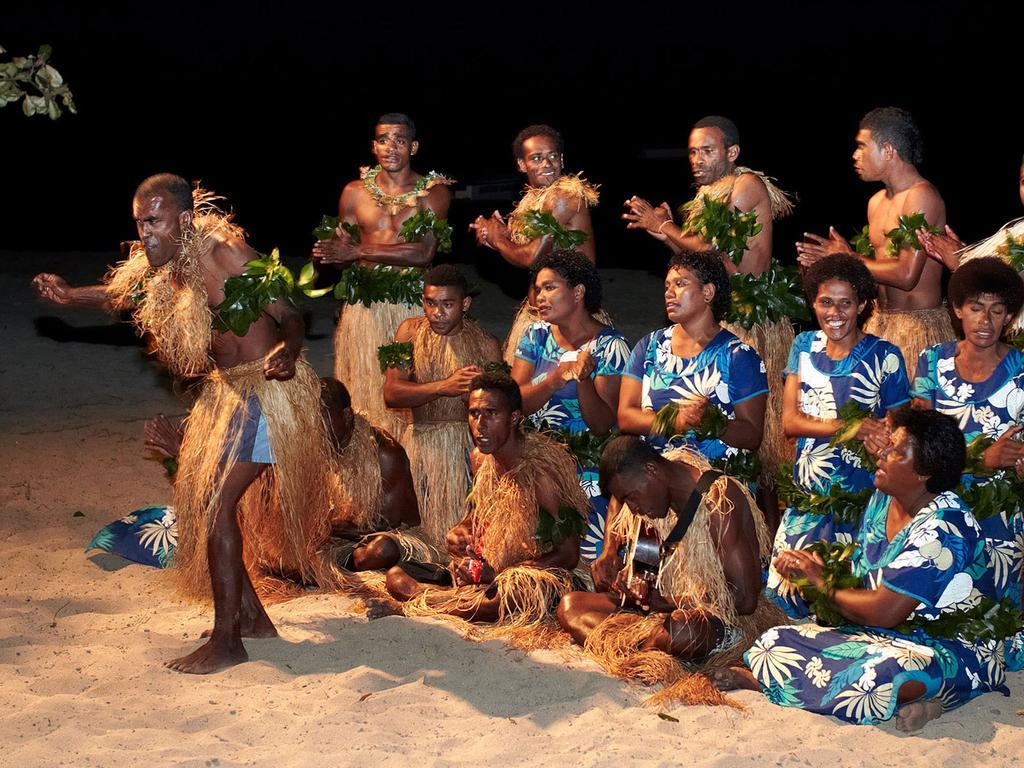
{"x":493,"y":233}
{"x":881,"y":607}
{"x":795,"y":423}
{"x":279,"y":362}
{"x":398,"y":494}
{"x":737,"y":552}
{"x":608,"y":564}
{"x":55,"y":289}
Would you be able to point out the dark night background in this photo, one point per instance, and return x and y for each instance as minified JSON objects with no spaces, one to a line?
{"x":272,"y":104}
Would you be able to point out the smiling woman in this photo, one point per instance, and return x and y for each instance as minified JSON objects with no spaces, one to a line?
{"x":828,"y":369}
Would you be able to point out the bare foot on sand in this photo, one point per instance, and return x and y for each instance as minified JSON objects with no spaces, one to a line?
{"x":258,"y":626}
{"x":378,"y":608}
{"x":211,"y":657}
{"x":912,"y":717}
{"x":734,"y":678}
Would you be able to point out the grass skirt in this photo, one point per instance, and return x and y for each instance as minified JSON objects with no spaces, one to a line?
{"x":438,"y":457}
{"x":284,"y":515}
{"x":361,"y":330}
{"x":911,"y":330}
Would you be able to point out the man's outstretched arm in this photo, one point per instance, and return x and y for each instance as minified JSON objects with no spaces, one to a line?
{"x":56,"y":289}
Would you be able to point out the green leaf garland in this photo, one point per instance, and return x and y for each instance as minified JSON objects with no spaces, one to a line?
{"x":904,"y":235}
{"x":263,"y":282}
{"x":396,"y":355}
{"x":380,"y":283}
{"x":553,"y":532}
{"x":837,"y":573}
{"x":770,"y":297}
{"x":424,"y":223}
{"x":727,"y":228}
{"x":538,"y":223}
{"x":844,"y":506}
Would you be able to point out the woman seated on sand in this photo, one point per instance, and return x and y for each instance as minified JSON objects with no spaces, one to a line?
{"x":568,"y":367}
{"x":695,"y":365}
{"x":901,"y":640}
{"x":827,"y":369}
{"x":979,"y":381}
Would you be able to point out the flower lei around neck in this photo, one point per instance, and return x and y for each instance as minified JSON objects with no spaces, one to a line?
{"x":406,"y":199}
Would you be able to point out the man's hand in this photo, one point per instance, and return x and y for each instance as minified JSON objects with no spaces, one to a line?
{"x":473,"y":570}
{"x":690,"y":414}
{"x":338,"y":250}
{"x":458,"y":382}
{"x":604,"y":570}
{"x":1006,"y":451}
{"x":459,"y":540}
{"x":489,"y":231}
{"x":942,"y":247}
{"x":814,"y":247}
{"x":52,"y":288}
{"x":163,"y":437}
{"x":876,"y":435}
{"x":642,"y":215}
{"x":279,"y":364}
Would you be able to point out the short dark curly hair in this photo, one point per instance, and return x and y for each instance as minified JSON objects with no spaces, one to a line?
{"x":626,"y":453}
{"x":536,"y":130}
{"x":447,"y":275}
{"x":708,"y":268}
{"x":939,"y":448}
{"x":987,"y":275}
{"x":175,"y":187}
{"x":493,"y":381}
{"x":892,"y":125}
{"x":575,"y":269}
{"x":397,"y":118}
{"x":730,"y":133}
{"x":849,"y":269}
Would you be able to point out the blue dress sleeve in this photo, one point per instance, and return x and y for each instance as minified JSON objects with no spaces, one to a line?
{"x":636,"y":366}
{"x":925,"y":378}
{"x":933,"y":556}
{"x":793,"y":363}
{"x":612,"y":354}
{"x":531,"y":346}
{"x":747,"y":376}
{"x":895,"y":389}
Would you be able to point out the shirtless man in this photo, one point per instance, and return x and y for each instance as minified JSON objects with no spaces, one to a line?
{"x":911,"y":314}
{"x":714,"y":148}
{"x":448,"y":351}
{"x":538,"y":153}
{"x":499,"y":567}
{"x":727,"y":536}
{"x":379,"y":202}
{"x":172,"y":280}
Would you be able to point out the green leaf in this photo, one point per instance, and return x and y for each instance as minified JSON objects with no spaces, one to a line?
{"x":861,"y":243}
{"x":396,"y":355}
{"x":904,"y":235}
{"x":538,"y":223}
{"x":671,"y":719}
{"x":727,"y":228}
{"x":423,"y":223}
{"x":552,"y":531}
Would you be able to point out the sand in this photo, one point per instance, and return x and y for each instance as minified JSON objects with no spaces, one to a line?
{"x":83,"y":637}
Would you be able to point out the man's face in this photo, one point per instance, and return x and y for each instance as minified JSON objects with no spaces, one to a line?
{"x":869,"y":159}
{"x":541,"y":161}
{"x":159,"y":224}
{"x":444,"y":306}
{"x":983,"y":318}
{"x":643,"y":490}
{"x":393,"y":145}
{"x":710,"y":159}
{"x":491,"y":422}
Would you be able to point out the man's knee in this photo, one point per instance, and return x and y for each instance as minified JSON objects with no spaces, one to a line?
{"x":378,"y":553}
{"x":568,"y":608}
{"x":691,"y":634}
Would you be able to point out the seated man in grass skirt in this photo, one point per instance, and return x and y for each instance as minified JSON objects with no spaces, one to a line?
{"x":564,"y":197}
{"x":377,"y":206}
{"x":714,"y":148}
{"x":689,"y":587}
{"x":513,"y":554}
{"x":429,"y":369}
{"x":258,"y":406}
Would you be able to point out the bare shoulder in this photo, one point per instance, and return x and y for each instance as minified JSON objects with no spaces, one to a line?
{"x":750,"y":184}
{"x":921,"y":196}
{"x":407,"y":330}
{"x":231,"y":254}
{"x":437,"y":200}
{"x":390,"y":452}
{"x":475,"y":460}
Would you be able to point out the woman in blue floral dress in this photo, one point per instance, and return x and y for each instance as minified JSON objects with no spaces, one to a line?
{"x":979,"y":381}
{"x":827,"y":369}
{"x":697,"y":363}
{"x":921,"y":555}
{"x":568,"y":367}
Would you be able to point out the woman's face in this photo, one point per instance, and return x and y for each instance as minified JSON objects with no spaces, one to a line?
{"x":837,"y":310}
{"x":685,"y":297}
{"x":983,"y":317}
{"x":556,"y":300}
{"x":896,"y":475}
